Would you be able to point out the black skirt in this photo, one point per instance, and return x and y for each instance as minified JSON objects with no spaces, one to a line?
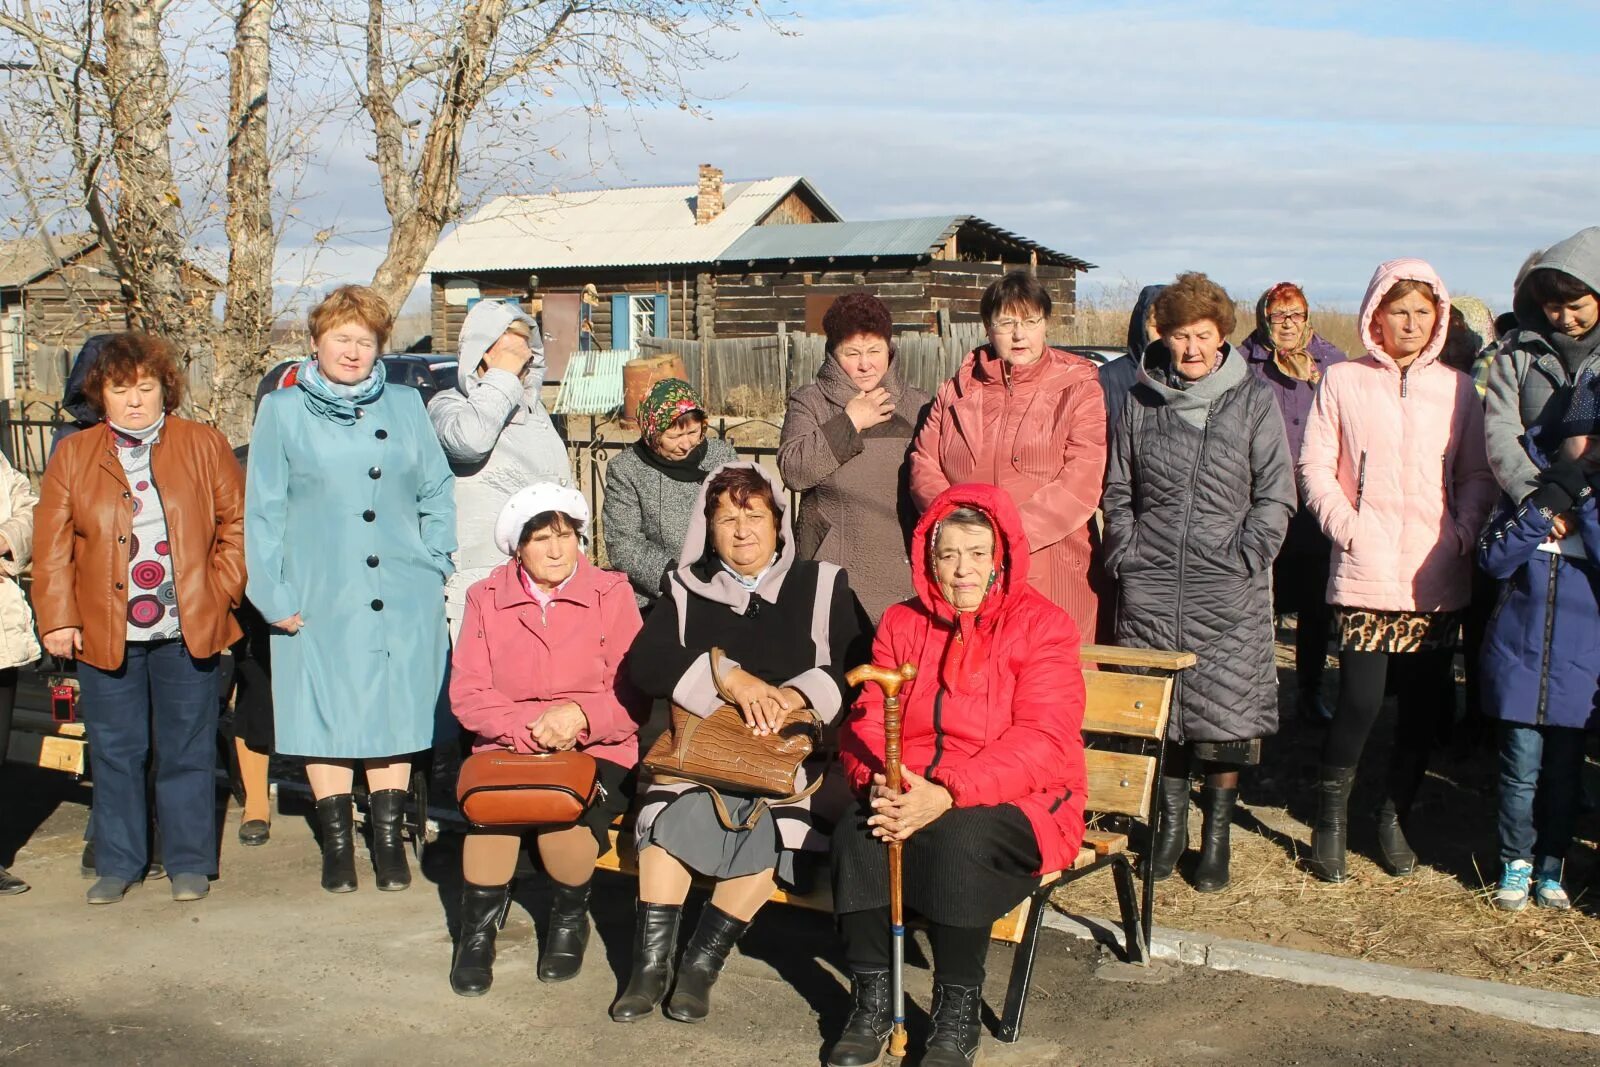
{"x":967,"y":868}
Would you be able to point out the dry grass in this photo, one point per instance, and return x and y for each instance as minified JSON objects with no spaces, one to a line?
{"x":1438,"y":919}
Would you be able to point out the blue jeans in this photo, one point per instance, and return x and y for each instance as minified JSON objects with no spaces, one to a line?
{"x":1541,"y":789}
{"x":159,"y":686}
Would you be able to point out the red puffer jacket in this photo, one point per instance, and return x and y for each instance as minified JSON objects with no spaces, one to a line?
{"x":1010,"y":732}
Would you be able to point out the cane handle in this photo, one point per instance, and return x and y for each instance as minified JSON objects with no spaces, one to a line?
{"x":890,"y":679}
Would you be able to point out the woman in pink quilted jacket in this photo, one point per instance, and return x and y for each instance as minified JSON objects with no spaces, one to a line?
{"x":1394,"y":468}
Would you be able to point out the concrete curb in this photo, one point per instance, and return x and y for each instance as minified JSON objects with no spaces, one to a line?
{"x":1534,"y":1007}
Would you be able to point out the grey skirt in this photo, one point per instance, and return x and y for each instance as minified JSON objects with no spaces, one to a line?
{"x":689,"y":831}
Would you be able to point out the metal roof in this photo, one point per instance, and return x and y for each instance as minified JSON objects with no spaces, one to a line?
{"x":26,"y":260}
{"x":885,"y":237}
{"x":592,"y":383}
{"x":607,"y":228}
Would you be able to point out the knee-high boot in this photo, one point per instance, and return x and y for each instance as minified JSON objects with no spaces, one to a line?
{"x":483,"y":913}
{"x":1407,"y":768}
{"x":1172,"y":836}
{"x":1328,"y":835}
{"x":714,"y":937}
{"x":568,"y":933}
{"x":655,"y":944}
{"x":1211,"y":873}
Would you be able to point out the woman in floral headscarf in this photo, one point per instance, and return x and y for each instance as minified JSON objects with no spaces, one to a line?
{"x":651,"y":487}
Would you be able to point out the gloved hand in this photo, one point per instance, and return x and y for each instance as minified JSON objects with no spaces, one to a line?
{"x":1561,"y":485}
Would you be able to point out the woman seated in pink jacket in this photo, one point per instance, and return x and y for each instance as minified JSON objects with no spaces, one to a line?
{"x":1393,"y":466}
{"x":537,"y":669}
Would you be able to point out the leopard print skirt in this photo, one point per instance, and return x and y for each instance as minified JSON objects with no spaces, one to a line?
{"x":1363,"y":630}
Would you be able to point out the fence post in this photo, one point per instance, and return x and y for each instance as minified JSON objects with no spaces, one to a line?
{"x":6,"y":449}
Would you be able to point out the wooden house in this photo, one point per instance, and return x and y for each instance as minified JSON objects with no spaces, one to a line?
{"x":696,"y":262}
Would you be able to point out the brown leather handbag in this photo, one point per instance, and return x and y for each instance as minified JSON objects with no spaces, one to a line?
{"x":499,"y":789}
{"x":719,"y":751}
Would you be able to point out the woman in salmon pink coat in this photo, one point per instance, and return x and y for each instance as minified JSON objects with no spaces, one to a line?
{"x":537,"y":668}
{"x":1030,"y":419}
{"x":993,"y":767}
{"x":1393,"y":465}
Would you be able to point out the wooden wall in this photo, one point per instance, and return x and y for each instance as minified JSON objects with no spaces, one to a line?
{"x":753,"y":303}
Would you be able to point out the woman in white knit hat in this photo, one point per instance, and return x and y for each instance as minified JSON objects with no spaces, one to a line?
{"x":536,"y":668}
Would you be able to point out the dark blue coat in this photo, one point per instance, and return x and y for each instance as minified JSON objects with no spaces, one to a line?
{"x":1541,"y":652}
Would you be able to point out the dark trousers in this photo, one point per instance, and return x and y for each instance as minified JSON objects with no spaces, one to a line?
{"x":959,"y":952}
{"x":1420,"y":679}
{"x":1300,"y":588}
{"x":159,"y":692}
{"x":1541,"y":789}
{"x":8,"y":704}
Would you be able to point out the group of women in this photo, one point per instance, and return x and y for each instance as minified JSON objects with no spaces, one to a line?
{"x":958,"y":533}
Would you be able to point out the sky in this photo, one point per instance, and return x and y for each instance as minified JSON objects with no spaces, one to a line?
{"x":1255,"y":141}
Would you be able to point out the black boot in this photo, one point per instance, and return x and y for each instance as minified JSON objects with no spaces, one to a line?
{"x":483,"y":913}
{"x":655,"y":943}
{"x":1211,"y":873}
{"x":10,"y":884}
{"x":1172,"y":838}
{"x":387,"y":806}
{"x":714,"y":937}
{"x":568,"y":933}
{"x":1333,"y":818}
{"x":866,"y":1032}
{"x":956,"y":1011}
{"x":337,"y":817}
{"x":1406,"y":771}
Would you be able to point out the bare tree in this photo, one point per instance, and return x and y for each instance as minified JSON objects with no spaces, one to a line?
{"x":447,"y":73}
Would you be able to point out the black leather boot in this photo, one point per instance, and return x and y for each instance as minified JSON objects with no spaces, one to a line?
{"x":956,"y":1012}
{"x":655,"y":943}
{"x":337,"y":817}
{"x":866,"y":1032}
{"x":387,"y":807}
{"x":483,"y":913}
{"x":714,"y":937}
{"x":1407,"y":768}
{"x":1333,"y":821}
{"x":568,"y":933}
{"x":1172,"y":838}
{"x":1211,"y":873}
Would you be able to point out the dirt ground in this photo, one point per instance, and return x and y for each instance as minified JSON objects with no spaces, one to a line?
{"x":1439,"y":918}
{"x":271,"y":970}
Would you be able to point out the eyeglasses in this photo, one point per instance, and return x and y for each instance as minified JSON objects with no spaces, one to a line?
{"x":1285,"y":318}
{"x":1008,"y":325}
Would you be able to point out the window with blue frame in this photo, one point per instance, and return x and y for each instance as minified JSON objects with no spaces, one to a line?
{"x":636,"y":315}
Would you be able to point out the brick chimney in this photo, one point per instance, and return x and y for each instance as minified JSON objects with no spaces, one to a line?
{"x":708,"y":202}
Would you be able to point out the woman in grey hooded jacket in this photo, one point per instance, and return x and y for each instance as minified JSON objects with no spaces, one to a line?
{"x":496,"y":435}
{"x":1199,"y":490}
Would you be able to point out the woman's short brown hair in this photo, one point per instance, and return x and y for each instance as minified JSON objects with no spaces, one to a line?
{"x":128,"y":356}
{"x":1016,"y":290}
{"x":1404,"y":288}
{"x":352,"y":303}
{"x":742,"y":485}
{"x":1190,"y":299}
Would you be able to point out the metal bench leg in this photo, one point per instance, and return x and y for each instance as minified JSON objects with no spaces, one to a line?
{"x":1022,"y":968}
{"x":1133,"y":929}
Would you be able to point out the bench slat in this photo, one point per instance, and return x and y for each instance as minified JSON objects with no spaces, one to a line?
{"x":1131,"y":705}
{"x":1120,"y":782}
{"x":1155,"y":658}
{"x":1104,"y":842}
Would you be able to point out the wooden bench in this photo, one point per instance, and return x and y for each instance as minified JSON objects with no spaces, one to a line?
{"x":1125,"y":719}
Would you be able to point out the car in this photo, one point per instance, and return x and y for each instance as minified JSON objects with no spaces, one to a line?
{"x":1099,"y":355}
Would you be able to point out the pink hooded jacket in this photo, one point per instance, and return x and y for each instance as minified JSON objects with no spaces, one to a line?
{"x":515,"y":660}
{"x":1394,"y":467}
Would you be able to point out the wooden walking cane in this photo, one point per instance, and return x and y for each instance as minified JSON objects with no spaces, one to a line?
{"x":890,"y":680}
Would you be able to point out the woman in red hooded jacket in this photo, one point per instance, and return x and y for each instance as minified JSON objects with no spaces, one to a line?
{"x":992,"y":767}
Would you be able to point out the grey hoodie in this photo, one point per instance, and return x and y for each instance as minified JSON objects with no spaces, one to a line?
{"x":1529,"y":386}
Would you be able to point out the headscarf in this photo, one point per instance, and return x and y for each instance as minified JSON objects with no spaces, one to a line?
{"x":1296,"y":362}
{"x":334,"y":401}
{"x":668,"y":400}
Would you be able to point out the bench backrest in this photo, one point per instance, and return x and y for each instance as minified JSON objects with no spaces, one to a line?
{"x":1124,"y":720}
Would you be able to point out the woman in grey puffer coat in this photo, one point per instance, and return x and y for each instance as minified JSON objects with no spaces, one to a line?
{"x":651,"y":486}
{"x":1199,"y":491}
{"x":496,"y":435}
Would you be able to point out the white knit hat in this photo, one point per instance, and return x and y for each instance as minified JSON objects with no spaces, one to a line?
{"x":536,"y":500}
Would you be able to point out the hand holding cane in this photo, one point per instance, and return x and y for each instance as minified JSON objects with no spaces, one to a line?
{"x":890,"y":680}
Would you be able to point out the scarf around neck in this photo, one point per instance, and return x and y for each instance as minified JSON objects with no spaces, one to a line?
{"x":334,"y":401}
{"x":687,"y":469}
{"x":149,"y":435}
{"x":1575,"y":351}
{"x":1296,"y":363}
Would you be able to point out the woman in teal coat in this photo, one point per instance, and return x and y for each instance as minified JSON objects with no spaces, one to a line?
{"x":349,"y":525}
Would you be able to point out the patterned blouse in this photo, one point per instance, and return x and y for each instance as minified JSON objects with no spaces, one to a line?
{"x":152,"y":592}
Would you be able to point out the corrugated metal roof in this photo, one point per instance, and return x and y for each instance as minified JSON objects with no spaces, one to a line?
{"x":606,"y":228}
{"x":885,"y":237}
{"x":592,"y":384}
{"x":23,"y":260}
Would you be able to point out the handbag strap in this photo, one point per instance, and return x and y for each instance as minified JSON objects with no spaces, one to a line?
{"x":761,"y":806}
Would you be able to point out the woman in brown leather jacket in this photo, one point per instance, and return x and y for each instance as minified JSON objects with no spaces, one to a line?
{"x":138,"y":565}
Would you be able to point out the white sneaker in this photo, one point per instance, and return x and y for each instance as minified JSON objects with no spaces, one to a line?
{"x":1512,"y":892}
{"x":1549,"y":894}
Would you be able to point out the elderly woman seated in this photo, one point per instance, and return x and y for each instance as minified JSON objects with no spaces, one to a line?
{"x":993,"y":779}
{"x":789,"y":630}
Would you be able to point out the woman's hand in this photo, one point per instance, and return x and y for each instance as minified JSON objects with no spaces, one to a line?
{"x":558,"y":728}
{"x":291,"y":625}
{"x":896,"y":818}
{"x":765,"y":707}
{"x":64,"y":643}
{"x":1561,"y":526}
{"x":868,"y":409}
